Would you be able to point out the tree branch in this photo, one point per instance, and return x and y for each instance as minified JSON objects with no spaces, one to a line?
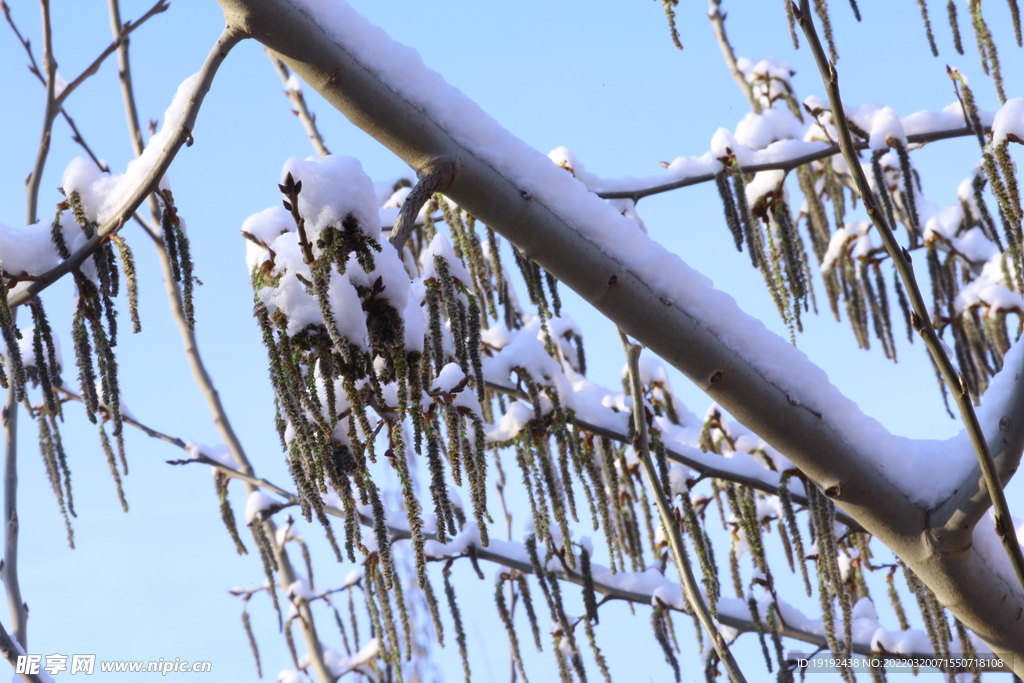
{"x":570,"y":233}
{"x":921,"y":318}
{"x":435,"y":175}
{"x":9,"y":571}
{"x":298,"y":100}
{"x":120,"y":39}
{"x":785,"y":164}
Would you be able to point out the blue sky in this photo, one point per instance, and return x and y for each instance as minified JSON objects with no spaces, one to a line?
{"x":601,"y":78}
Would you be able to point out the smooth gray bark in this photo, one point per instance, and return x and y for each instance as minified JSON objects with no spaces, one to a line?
{"x":944,"y":559}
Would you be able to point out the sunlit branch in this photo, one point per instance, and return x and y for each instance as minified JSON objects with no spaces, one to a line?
{"x":9,"y":571}
{"x":228,"y":39}
{"x":921,"y":318}
{"x":786,"y":164}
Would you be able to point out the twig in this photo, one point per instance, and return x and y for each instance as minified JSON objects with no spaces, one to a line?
{"x":781,"y":165}
{"x":298,"y":100}
{"x":9,"y":572}
{"x":718,"y":23}
{"x":228,"y":39}
{"x":10,"y":650}
{"x":121,"y":38}
{"x":436,"y":175}
{"x":668,"y":517}
{"x":920,"y":317}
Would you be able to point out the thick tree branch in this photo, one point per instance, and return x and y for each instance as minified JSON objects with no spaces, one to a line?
{"x":828,"y":445}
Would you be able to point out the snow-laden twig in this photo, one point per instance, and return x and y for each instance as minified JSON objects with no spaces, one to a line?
{"x":231,"y":35}
{"x":920,"y":316}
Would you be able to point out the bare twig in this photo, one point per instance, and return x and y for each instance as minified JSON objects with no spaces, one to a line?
{"x":298,"y":100}
{"x":9,"y":572}
{"x":434,"y":176}
{"x":228,"y":39}
{"x":922,"y":320}
{"x":717,"y":18}
{"x":10,"y":649}
{"x":160,"y":6}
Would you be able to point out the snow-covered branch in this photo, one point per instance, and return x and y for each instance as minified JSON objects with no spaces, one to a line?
{"x":651,"y":294}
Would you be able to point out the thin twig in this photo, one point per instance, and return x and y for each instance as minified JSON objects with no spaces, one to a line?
{"x":10,"y":649}
{"x":668,"y":517}
{"x":228,"y":39}
{"x":9,"y":572}
{"x":901,"y":260}
{"x":126,"y":30}
{"x":298,"y":100}
{"x":717,"y":18}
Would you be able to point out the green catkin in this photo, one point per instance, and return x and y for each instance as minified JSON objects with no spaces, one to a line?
{"x":967,"y":649}
{"x":794,"y":528}
{"x":661,"y":635}
{"x":269,"y":561}
{"x":987,"y":49}
{"x":704,"y":555}
{"x":1015,"y":15}
{"x":954,"y":26}
{"x":227,"y":515}
{"x":412,"y":505}
{"x":531,"y":613}
{"x":882,"y":186}
{"x":57,"y":235}
{"x":901,"y":297}
{"x":111,"y":461}
{"x":11,"y":335}
{"x":734,"y":571}
{"x":821,"y":8}
{"x":435,"y":614}
{"x":380,"y":531}
{"x":247,"y":626}
{"x":48,"y":449}
{"x":567,"y":632}
{"x":914,"y":584}
{"x":506,"y":619}
{"x":355,"y":623}
{"x":759,"y":628}
{"x":188,"y":281}
{"x":791,"y":21}
{"x":131,"y":279}
{"x":1009,"y":175}
{"x":370,"y":597}
{"x":341,"y":629}
{"x":928,"y":27}
{"x":602,"y":664}
{"x":784,"y":676}
{"x":290,"y":641}
{"x":908,"y":190}
{"x":589,"y":596}
{"x":750,"y":228}
{"x":439,"y":489}
{"x":394,"y":650}
{"x":436,"y":338}
{"x":46,"y":372}
{"x":729,"y":206}
{"x":460,"y":634}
